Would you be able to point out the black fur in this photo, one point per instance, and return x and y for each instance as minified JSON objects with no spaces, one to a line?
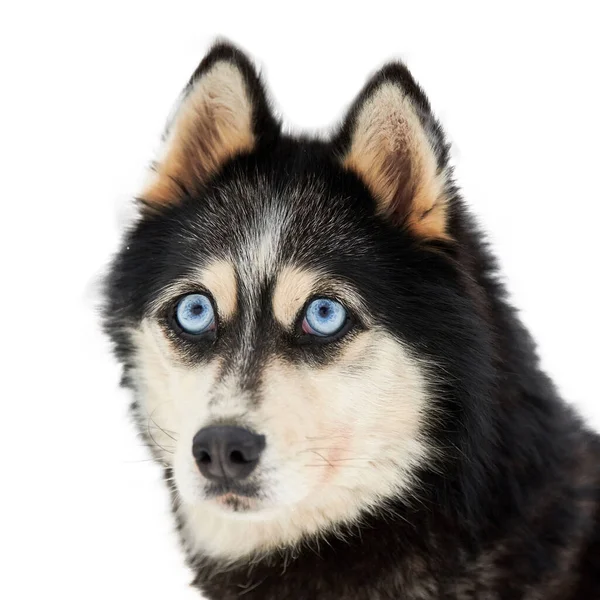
{"x":512,"y":510}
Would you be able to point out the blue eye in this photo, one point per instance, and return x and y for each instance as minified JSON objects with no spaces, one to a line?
{"x":324,"y":317}
{"x":195,"y":314}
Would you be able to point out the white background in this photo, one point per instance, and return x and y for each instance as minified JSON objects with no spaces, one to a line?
{"x":85,"y":90}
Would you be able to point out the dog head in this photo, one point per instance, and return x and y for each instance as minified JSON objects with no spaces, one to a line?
{"x":289,"y":311}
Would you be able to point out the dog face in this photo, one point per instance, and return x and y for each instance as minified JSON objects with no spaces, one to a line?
{"x":282,"y":306}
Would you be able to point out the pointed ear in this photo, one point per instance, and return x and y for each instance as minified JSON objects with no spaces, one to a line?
{"x":223,"y":112}
{"x":392,"y":141}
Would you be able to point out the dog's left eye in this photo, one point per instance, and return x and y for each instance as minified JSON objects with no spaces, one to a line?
{"x":195,"y":314}
{"x":324,"y":317}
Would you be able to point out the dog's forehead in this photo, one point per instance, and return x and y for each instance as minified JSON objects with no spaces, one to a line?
{"x":264,"y":223}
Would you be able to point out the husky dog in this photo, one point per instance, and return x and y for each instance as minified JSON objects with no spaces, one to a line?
{"x":322,"y":358}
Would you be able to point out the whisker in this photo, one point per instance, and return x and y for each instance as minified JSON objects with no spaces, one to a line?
{"x":321,"y":456}
{"x":325,"y":437}
{"x":157,"y":428}
{"x":156,"y":443}
{"x":347,"y":466}
{"x":319,"y":449}
{"x":165,"y":431}
{"x":334,"y":460}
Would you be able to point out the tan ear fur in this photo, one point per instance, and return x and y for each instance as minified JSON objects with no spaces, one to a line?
{"x":394,"y":156}
{"x":212,"y":124}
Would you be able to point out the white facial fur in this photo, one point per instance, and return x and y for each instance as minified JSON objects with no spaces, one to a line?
{"x":340,"y":438}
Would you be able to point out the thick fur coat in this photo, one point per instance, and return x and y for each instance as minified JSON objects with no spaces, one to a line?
{"x":420,"y":453}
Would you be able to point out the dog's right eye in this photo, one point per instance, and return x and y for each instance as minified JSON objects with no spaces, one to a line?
{"x":195,"y":314}
{"x":324,"y":318}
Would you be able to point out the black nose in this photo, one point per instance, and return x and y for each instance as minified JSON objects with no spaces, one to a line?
{"x":224,"y":452}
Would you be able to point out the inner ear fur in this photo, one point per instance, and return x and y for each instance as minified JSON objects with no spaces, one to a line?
{"x":223,"y":112}
{"x":392,"y":141}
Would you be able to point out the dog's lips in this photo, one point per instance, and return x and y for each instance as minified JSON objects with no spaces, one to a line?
{"x":235,"y":502}
{"x":230,"y":496}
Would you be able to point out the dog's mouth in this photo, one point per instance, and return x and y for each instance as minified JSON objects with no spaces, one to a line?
{"x":234,"y":496}
{"x":236,"y":503}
